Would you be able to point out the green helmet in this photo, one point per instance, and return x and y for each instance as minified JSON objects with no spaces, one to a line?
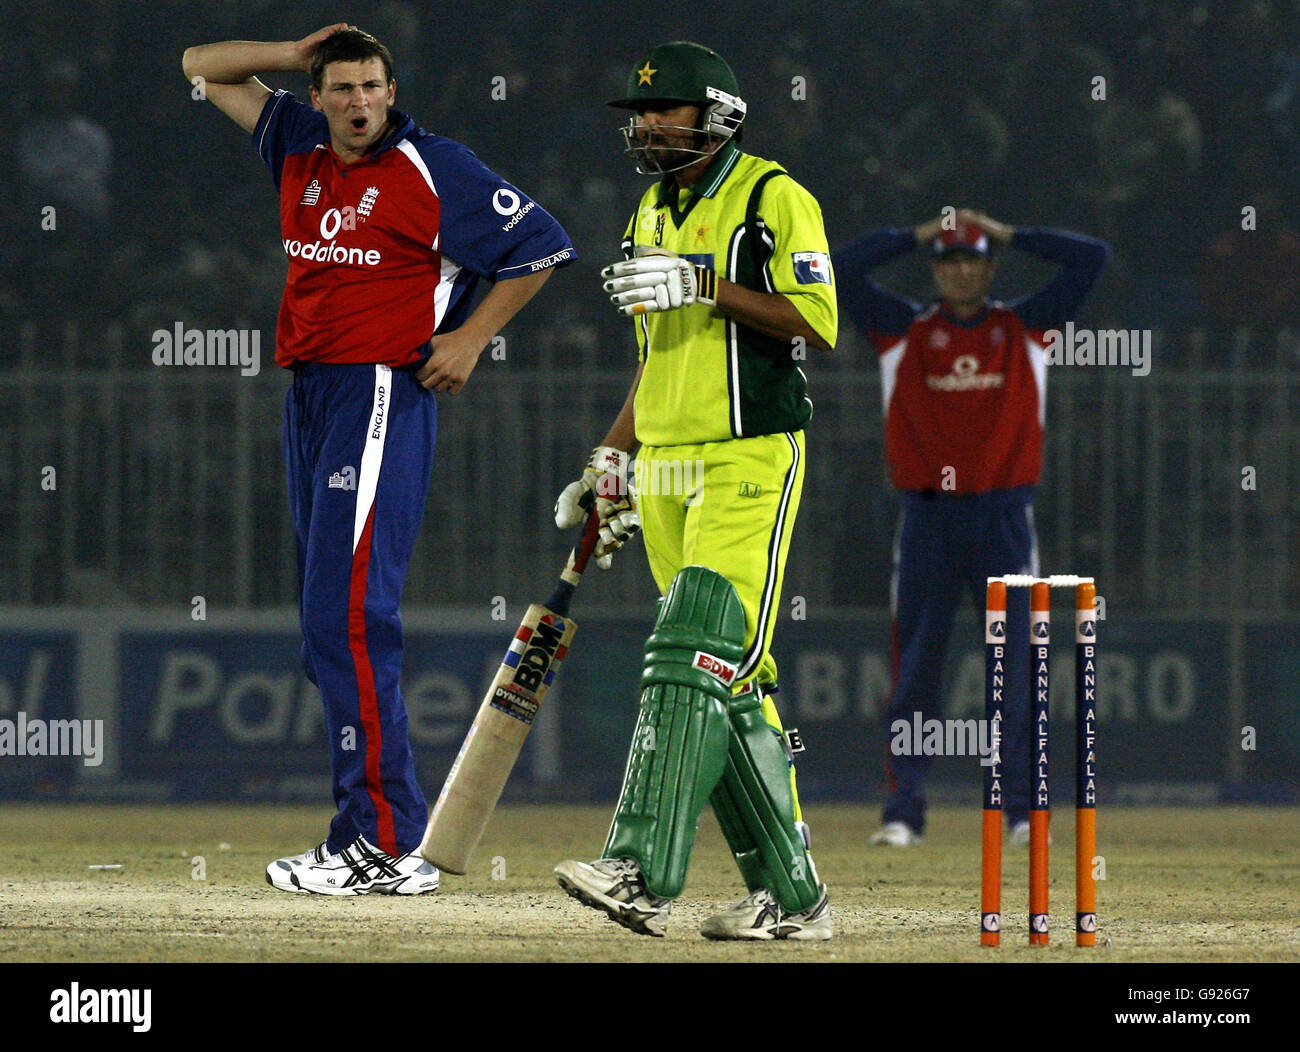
{"x":683,"y":72}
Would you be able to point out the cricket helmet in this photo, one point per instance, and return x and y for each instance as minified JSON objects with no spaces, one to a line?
{"x":682,"y":72}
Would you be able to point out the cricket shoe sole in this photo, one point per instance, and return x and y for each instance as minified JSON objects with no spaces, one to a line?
{"x":615,"y":886}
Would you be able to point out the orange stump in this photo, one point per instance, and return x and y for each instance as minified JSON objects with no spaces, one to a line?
{"x":1085,"y":745}
{"x":1040,"y":615}
{"x":995,"y":640}
{"x":1040,"y":807}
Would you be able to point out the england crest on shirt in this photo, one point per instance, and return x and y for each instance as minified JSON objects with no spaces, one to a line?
{"x":810,"y":267}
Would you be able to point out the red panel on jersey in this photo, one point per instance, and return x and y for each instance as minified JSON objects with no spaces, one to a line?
{"x":964,"y":412}
{"x":386,"y":251}
{"x":362,"y":279}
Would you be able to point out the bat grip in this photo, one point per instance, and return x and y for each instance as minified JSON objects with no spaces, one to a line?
{"x":564,"y":588}
{"x":560,"y":598}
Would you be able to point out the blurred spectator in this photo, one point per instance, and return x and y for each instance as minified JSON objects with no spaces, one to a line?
{"x":1282,"y":107}
{"x":1148,"y":144}
{"x":66,"y":157}
{"x":1251,"y":278}
{"x":64,"y":208}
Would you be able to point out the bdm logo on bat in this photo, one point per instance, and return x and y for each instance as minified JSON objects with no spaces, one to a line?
{"x":534,"y":651}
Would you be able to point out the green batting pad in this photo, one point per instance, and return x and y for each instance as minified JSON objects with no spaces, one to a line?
{"x":731,"y":820}
{"x":756,"y":785}
{"x":679,"y":746}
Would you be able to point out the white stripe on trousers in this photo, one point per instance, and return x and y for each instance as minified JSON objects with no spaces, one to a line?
{"x":372,"y":458}
{"x":755,"y":653}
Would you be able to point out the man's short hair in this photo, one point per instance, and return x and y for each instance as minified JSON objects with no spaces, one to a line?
{"x":348,"y":45}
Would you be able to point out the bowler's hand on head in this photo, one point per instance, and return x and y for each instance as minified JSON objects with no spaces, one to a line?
{"x":306,"y":47}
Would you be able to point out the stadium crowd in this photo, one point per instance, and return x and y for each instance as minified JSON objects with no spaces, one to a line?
{"x":1150,"y":125}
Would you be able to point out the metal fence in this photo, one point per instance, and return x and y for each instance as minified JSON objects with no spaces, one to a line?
{"x":150,"y":486}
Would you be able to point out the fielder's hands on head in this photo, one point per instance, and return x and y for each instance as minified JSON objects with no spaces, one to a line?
{"x":656,"y":283}
{"x":997,"y":231}
{"x":604,"y":483}
{"x":928,"y":231}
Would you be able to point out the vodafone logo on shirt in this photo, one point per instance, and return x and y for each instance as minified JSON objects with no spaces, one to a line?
{"x":506,"y":203}
{"x":965,"y":376}
{"x":327,"y":250}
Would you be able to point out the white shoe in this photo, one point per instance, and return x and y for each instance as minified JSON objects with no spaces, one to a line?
{"x":616,"y":886}
{"x":760,"y":916}
{"x":895,"y":834}
{"x":277,"y":873}
{"x":1019,"y":834}
{"x":362,"y":869}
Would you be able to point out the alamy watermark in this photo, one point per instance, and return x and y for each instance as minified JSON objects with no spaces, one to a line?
{"x":37,"y":737}
{"x":1123,"y":347}
{"x":90,"y":1005}
{"x":670,"y":478}
{"x":181,"y":346}
{"x":921,"y":737}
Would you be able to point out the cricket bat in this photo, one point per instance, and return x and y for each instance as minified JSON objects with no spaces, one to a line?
{"x":504,"y":719}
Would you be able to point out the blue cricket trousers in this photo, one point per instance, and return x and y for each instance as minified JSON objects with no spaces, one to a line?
{"x":947,"y":542}
{"x":358,"y":447}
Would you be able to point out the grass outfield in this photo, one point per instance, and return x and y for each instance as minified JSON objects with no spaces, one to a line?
{"x":1214,"y":884}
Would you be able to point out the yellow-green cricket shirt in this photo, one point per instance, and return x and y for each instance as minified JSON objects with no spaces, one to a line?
{"x":706,"y":377}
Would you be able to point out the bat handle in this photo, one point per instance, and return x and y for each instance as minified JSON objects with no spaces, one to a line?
{"x":577,"y":563}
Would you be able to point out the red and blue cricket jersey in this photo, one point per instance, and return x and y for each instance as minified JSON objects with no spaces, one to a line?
{"x":964,"y":405}
{"x":967,"y":396}
{"x":383,"y":253}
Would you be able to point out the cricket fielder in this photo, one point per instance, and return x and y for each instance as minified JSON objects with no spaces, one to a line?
{"x":387,"y":229}
{"x":964,"y":382}
{"x":726,"y":276}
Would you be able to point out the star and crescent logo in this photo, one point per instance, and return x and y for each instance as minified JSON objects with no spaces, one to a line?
{"x":645,"y":73}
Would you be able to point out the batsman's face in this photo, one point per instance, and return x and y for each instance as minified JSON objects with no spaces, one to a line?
{"x":963,"y":280}
{"x":667,"y":132}
{"x":355,"y":97}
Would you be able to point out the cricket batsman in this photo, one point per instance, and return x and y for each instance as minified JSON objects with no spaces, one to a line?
{"x":726,"y":276}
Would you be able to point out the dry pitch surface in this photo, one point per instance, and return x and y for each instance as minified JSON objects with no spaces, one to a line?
{"x":1181,"y":885}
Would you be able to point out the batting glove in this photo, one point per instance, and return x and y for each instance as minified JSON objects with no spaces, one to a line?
{"x":647,"y":284}
{"x":620,"y":521}
{"x":605,"y":484}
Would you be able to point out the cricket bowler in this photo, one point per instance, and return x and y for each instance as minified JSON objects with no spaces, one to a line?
{"x":387,"y":229}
